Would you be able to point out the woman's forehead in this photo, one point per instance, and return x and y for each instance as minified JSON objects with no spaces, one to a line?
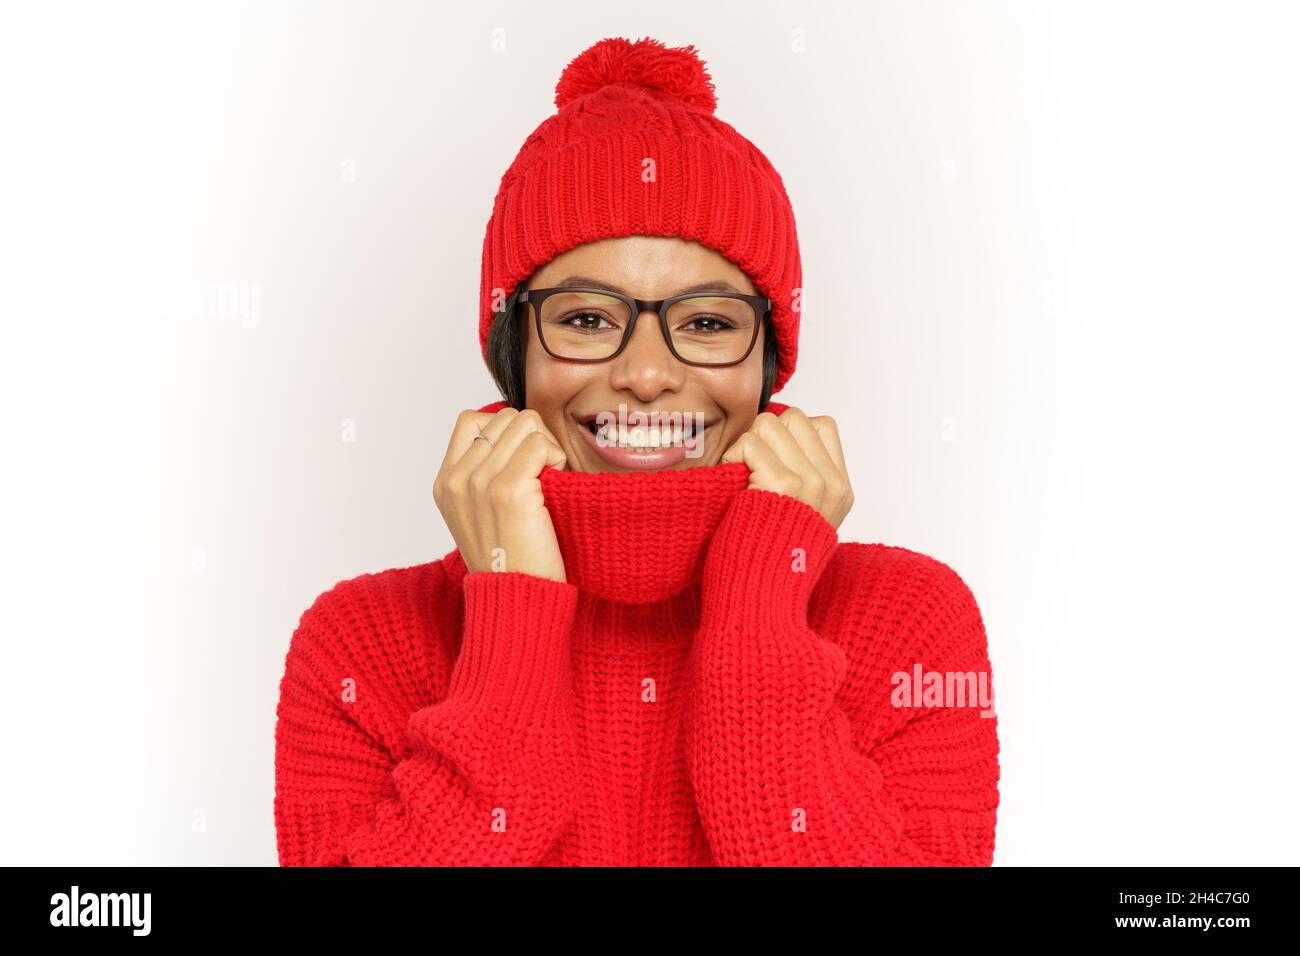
{"x":643,"y":265}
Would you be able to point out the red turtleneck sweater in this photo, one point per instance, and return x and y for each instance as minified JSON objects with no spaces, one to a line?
{"x":714,"y":685}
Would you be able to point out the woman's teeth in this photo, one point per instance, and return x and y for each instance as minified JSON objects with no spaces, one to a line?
{"x":643,"y":438}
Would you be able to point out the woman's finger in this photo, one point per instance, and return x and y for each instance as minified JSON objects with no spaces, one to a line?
{"x":830,"y":436}
{"x":526,"y":423}
{"x":531,"y":456}
{"x":812,"y":482}
{"x":837,"y":493}
{"x":465,"y":450}
{"x":810,"y":440}
{"x":766,"y":469}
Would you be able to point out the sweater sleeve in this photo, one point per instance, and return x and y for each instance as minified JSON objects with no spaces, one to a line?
{"x":778,"y":776}
{"x":485,"y":776}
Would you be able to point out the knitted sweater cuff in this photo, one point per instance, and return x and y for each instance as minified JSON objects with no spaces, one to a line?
{"x":765,"y":559}
{"x":512,"y":672}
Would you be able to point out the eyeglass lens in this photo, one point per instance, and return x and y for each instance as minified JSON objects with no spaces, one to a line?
{"x":707,"y":329}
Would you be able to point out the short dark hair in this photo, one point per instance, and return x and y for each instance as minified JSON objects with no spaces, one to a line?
{"x":505,"y":353}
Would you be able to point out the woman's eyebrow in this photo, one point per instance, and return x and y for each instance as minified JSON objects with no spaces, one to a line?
{"x":580,"y":282}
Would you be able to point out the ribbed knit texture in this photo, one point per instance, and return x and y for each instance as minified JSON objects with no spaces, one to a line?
{"x":689,"y":697}
{"x":635,"y":149}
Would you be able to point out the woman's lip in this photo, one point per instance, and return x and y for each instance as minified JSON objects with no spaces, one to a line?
{"x":623,"y":458}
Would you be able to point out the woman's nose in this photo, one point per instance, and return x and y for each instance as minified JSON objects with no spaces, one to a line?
{"x":646,"y":365}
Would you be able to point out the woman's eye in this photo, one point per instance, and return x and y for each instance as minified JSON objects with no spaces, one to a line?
{"x":585,"y":321}
{"x":711,"y":324}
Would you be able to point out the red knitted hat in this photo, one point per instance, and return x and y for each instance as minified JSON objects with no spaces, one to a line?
{"x":584,"y":175}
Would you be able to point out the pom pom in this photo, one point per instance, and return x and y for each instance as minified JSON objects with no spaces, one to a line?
{"x":676,"y":71}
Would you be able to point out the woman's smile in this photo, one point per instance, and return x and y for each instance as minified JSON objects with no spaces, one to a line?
{"x":657,"y":440}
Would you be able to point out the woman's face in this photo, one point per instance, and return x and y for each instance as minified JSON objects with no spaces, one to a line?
{"x":645,"y":377}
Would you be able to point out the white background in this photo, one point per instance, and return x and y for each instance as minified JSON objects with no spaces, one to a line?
{"x":1050,"y":253}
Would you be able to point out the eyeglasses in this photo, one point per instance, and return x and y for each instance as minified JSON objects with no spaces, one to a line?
{"x":595,"y":325}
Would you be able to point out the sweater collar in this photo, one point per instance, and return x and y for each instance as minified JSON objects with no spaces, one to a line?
{"x":633,"y":537}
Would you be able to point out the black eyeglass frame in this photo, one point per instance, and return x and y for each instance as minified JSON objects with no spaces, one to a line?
{"x":535,"y":297}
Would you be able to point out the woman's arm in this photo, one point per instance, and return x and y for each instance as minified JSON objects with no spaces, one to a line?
{"x":486,"y":776}
{"x":777,"y":775}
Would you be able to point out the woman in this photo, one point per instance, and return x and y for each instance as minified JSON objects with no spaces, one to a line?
{"x":649,"y":646}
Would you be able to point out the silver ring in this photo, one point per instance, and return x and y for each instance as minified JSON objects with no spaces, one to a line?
{"x":486,"y":439}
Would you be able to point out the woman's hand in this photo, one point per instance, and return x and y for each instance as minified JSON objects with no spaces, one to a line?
{"x":491,"y":497}
{"x":797,"y":456}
